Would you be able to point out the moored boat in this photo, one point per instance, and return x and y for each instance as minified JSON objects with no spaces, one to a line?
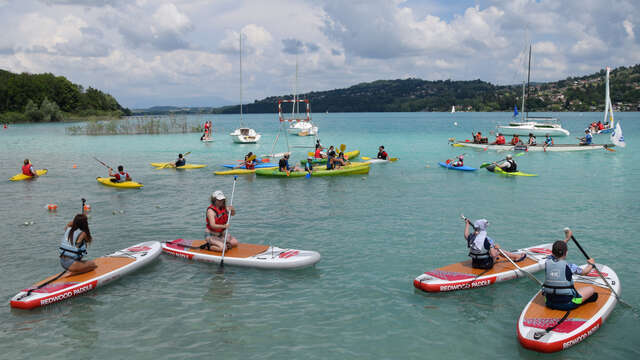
{"x":539,"y":147}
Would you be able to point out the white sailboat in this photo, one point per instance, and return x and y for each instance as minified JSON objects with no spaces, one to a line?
{"x":539,"y":125}
{"x":608,"y":110}
{"x":453,"y":109}
{"x":243,"y":135}
{"x":297,"y":125}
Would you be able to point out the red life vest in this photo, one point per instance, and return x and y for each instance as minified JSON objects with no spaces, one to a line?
{"x":250,"y":165}
{"x":600,"y":126}
{"x":222,"y":216}
{"x":121,"y":176}
{"x":26,"y":170}
{"x":500,"y":140}
{"x":318,"y":155}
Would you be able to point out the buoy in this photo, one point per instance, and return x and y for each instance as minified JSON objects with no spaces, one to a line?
{"x":87,"y":207}
{"x":75,"y":166}
{"x":455,"y":123}
{"x":52,"y":207}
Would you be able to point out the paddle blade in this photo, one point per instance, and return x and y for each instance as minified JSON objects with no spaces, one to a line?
{"x":252,"y":157}
{"x":612,"y":150}
{"x":308,"y":175}
{"x":365,"y":158}
{"x":342,"y":147}
{"x":393,"y":159}
{"x":484,"y":165}
{"x":187,"y":153}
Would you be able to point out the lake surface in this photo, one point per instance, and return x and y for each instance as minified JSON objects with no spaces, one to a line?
{"x":376,"y":233}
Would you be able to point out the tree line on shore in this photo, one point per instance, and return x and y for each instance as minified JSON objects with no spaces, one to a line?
{"x":45,"y":97}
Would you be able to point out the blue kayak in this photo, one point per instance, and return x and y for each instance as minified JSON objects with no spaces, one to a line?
{"x":258,"y":165}
{"x":461,"y":168}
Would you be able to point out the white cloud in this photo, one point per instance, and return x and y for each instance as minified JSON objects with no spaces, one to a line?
{"x":628,"y":28}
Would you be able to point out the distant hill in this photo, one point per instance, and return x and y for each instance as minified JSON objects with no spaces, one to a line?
{"x":46,"y":97}
{"x":584,"y":93}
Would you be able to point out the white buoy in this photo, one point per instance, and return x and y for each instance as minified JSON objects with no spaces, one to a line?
{"x":455,"y":123}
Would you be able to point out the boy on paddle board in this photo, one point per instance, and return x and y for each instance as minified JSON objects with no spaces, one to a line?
{"x":558,"y":285}
{"x":482,"y":249}
{"x":28,"y":170}
{"x":587,"y":139}
{"x":217,"y":217}
{"x":74,"y":246}
{"x":532,"y":139}
{"x":120,"y":176}
{"x":548,"y":141}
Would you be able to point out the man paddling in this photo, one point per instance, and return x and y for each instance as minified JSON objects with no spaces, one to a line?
{"x":181,"y":161}
{"x":482,"y":249}
{"x":587,"y":139}
{"x":558,"y":286}
{"x":120,"y":176}
{"x":217,"y":216}
{"x":509,"y":165}
{"x":382,"y":154}
{"x":28,"y":170}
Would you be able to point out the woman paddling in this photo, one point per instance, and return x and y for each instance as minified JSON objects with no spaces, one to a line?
{"x":217,"y":217}
{"x":482,"y":249}
{"x":74,"y":246}
{"x":558,"y":286}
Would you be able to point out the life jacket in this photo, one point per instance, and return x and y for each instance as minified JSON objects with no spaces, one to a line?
{"x":548,"y":141}
{"x":600,"y":126}
{"x":181,"y":162}
{"x":478,"y":248}
{"x":515,"y":140}
{"x":121,"y":177}
{"x":500,"y":140}
{"x":513,"y":167}
{"x":556,"y":282}
{"x":382,"y":155}
{"x":26,"y":170}
{"x":588,"y":138}
{"x":318,"y":154}
{"x":69,"y":248}
{"x":222,"y":216}
{"x":250,"y":165}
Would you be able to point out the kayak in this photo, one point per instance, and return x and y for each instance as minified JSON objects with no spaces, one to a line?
{"x":239,"y":171}
{"x":186,"y":166}
{"x":461,"y":168}
{"x":349,"y":155}
{"x":496,"y":170}
{"x":258,"y":166}
{"x":358,"y":169}
{"x":461,"y":276}
{"x":249,"y":255}
{"x":20,"y":177}
{"x":580,"y":323}
{"x":110,"y":267}
{"x":539,"y":147}
{"x":124,"y":185}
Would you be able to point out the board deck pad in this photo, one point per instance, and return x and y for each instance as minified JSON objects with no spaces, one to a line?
{"x":240,"y":251}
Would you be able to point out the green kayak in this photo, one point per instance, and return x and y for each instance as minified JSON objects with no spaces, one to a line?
{"x":349,"y":155}
{"x":347,"y":170}
{"x":496,"y":170}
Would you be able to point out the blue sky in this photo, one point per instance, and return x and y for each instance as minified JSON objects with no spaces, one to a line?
{"x":185,"y":53}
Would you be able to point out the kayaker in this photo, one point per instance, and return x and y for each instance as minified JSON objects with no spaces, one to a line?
{"x":283,"y":165}
{"x":308,"y":167}
{"x":74,"y":246}
{"x":515,"y":140}
{"x":477,"y":138}
{"x":120,"y":176}
{"x":532,"y":140}
{"x":382,"y":154}
{"x":331,"y":154}
{"x":558,"y":286}
{"x":500,"y":140}
{"x":458,"y":163}
{"x":482,"y":249}
{"x":548,"y":141}
{"x":181,"y":161}
{"x":217,"y":217}
{"x":340,"y":161}
{"x":509,"y":165}
{"x":587,"y":139}
{"x":27,"y":169}
{"x":318,"y":153}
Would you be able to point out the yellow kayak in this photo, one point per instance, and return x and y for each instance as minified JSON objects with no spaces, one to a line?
{"x":123,"y":185}
{"x":19,"y":177}
{"x":239,"y":171}
{"x":169,"y":165}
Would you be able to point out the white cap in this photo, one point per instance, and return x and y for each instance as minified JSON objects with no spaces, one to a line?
{"x":509,"y":157}
{"x":218,"y":195}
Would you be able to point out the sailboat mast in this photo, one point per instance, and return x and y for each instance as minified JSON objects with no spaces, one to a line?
{"x":608,"y":108}
{"x":523,"y":109}
{"x":528,"y":77}
{"x":241,"y":78}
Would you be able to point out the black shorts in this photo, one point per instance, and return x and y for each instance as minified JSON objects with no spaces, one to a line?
{"x":485,"y":263}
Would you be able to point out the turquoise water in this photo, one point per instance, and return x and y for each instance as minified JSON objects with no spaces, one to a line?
{"x":375,"y":233}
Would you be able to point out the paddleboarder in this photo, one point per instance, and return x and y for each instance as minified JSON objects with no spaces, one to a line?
{"x":548,"y":141}
{"x":482,"y":249}
{"x":587,"y":139}
{"x":558,"y":286}
{"x":532,"y":140}
{"x":74,"y":246}
{"x":217,"y":216}
{"x":120,"y":176}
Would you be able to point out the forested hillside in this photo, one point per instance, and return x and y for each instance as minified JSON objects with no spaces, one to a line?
{"x":45,"y":97}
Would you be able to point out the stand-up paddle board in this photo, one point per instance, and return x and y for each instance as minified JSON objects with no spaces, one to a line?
{"x":110,"y":267}
{"x":249,"y":255}
{"x":579,"y":324}
{"x":461,"y":276}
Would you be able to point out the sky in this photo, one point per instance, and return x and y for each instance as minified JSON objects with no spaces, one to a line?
{"x":187,"y":52}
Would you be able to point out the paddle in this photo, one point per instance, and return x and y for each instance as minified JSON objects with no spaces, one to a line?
{"x":484,"y":165}
{"x":105,"y":165}
{"x":519,"y":268}
{"x":226,"y":232}
{"x":597,"y":270}
{"x":606,"y":147}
